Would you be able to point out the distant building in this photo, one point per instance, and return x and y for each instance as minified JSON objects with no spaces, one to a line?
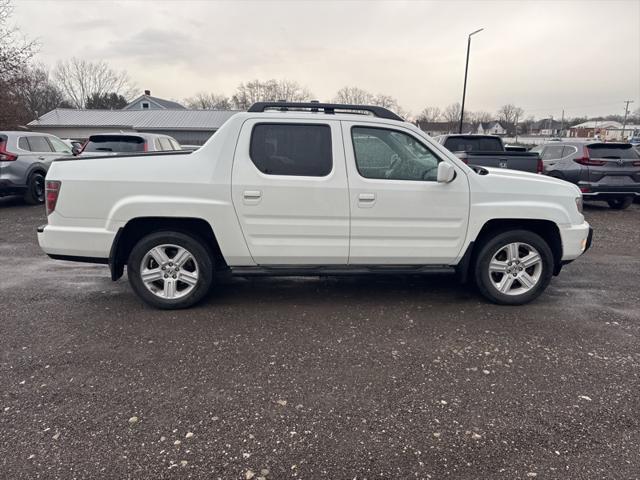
{"x":147,"y":102}
{"x":593,"y":128}
{"x":189,"y":127}
{"x":491,"y":128}
{"x":547,"y":127}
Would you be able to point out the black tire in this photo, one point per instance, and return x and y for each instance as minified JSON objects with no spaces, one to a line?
{"x":495,"y":243}
{"x":621,"y":203}
{"x":202,"y":258}
{"x":35,"y":189}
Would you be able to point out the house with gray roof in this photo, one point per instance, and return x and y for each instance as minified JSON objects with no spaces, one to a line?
{"x":189,"y":127}
{"x":147,"y":102}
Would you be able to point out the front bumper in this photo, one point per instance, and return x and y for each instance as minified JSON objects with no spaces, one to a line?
{"x":576,"y":239}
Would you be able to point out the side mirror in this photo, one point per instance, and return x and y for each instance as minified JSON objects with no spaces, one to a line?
{"x":446,"y":172}
{"x":76,"y":150}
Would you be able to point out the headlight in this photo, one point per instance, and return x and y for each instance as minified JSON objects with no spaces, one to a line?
{"x":579,"y":203}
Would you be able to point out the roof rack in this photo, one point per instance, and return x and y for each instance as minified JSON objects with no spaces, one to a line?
{"x":329,"y":108}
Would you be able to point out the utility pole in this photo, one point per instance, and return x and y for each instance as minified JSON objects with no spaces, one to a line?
{"x":562,"y":123}
{"x":626,"y":112}
{"x":516,"y":128}
{"x":466,"y":69}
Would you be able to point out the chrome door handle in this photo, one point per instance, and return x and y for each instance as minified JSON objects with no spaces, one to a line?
{"x":41,"y":158}
{"x":252,"y":194}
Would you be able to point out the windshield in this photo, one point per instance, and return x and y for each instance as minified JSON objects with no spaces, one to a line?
{"x":115,"y":143}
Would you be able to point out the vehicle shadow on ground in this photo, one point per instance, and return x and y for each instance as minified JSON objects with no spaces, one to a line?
{"x":13,"y":201}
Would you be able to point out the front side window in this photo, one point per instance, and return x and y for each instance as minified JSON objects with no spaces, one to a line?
{"x":166,"y":144}
{"x":59,"y":146}
{"x":392,"y":155}
{"x":291,"y":149}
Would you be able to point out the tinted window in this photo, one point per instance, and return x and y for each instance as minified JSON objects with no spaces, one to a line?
{"x":552,"y":152}
{"x":114,"y":143}
{"x":612,"y":151}
{"x":392,"y":155}
{"x":39,"y":144}
{"x":292,"y":149}
{"x":59,"y":146}
{"x":23,"y":143}
{"x":473,"y":144}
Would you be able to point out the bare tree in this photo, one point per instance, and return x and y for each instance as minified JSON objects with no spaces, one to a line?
{"x":208,"y":101}
{"x":430,"y":114}
{"x":451,"y":114}
{"x":509,"y":113}
{"x":268,"y":91}
{"x":81,"y":79}
{"x":15,"y":52}
{"x":481,"y":117}
{"x":37,"y":93}
{"x":354,"y":96}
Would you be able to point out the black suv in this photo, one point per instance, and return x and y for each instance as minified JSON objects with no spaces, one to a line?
{"x":603,"y":171}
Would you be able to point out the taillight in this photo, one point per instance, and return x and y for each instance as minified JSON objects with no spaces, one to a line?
{"x":146,"y":146}
{"x":51,"y":192}
{"x":4,"y":155}
{"x":636,"y":163}
{"x":586,"y":160}
{"x":540,"y":166}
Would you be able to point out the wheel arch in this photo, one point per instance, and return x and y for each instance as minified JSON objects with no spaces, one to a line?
{"x":136,"y":228}
{"x":547,"y":229}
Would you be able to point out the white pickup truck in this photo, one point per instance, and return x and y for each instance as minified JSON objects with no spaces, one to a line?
{"x":311,"y":189}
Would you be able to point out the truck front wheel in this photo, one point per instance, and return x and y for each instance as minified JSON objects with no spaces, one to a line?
{"x":513,"y":267}
{"x":170,"y":270}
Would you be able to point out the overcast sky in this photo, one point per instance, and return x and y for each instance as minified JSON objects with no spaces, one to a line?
{"x":544,"y":56}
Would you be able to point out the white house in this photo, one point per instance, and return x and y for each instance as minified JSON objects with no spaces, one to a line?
{"x":491,"y":128}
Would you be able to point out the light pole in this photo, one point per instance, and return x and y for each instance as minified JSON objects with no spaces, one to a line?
{"x":466,"y":69}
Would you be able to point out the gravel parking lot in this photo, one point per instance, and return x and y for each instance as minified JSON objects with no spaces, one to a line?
{"x":388,"y":377}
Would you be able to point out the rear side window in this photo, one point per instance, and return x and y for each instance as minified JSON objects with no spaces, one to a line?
{"x":39,"y":144}
{"x":471,"y":144}
{"x":625,"y":152}
{"x":114,"y":143}
{"x":292,"y":149}
{"x":23,"y":143}
{"x":175,"y":144}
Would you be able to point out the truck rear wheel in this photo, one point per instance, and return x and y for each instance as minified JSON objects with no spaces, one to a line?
{"x":170,"y":270}
{"x":513,"y":267}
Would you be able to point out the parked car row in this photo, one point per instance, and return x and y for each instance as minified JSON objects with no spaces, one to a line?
{"x":602,"y":171}
{"x":25,"y":157}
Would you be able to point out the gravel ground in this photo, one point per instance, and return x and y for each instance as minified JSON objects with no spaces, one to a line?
{"x":388,"y":377}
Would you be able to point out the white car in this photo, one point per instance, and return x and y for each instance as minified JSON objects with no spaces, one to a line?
{"x":311,"y":189}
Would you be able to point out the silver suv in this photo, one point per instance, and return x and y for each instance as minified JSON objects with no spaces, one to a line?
{"x":24,"y":160}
